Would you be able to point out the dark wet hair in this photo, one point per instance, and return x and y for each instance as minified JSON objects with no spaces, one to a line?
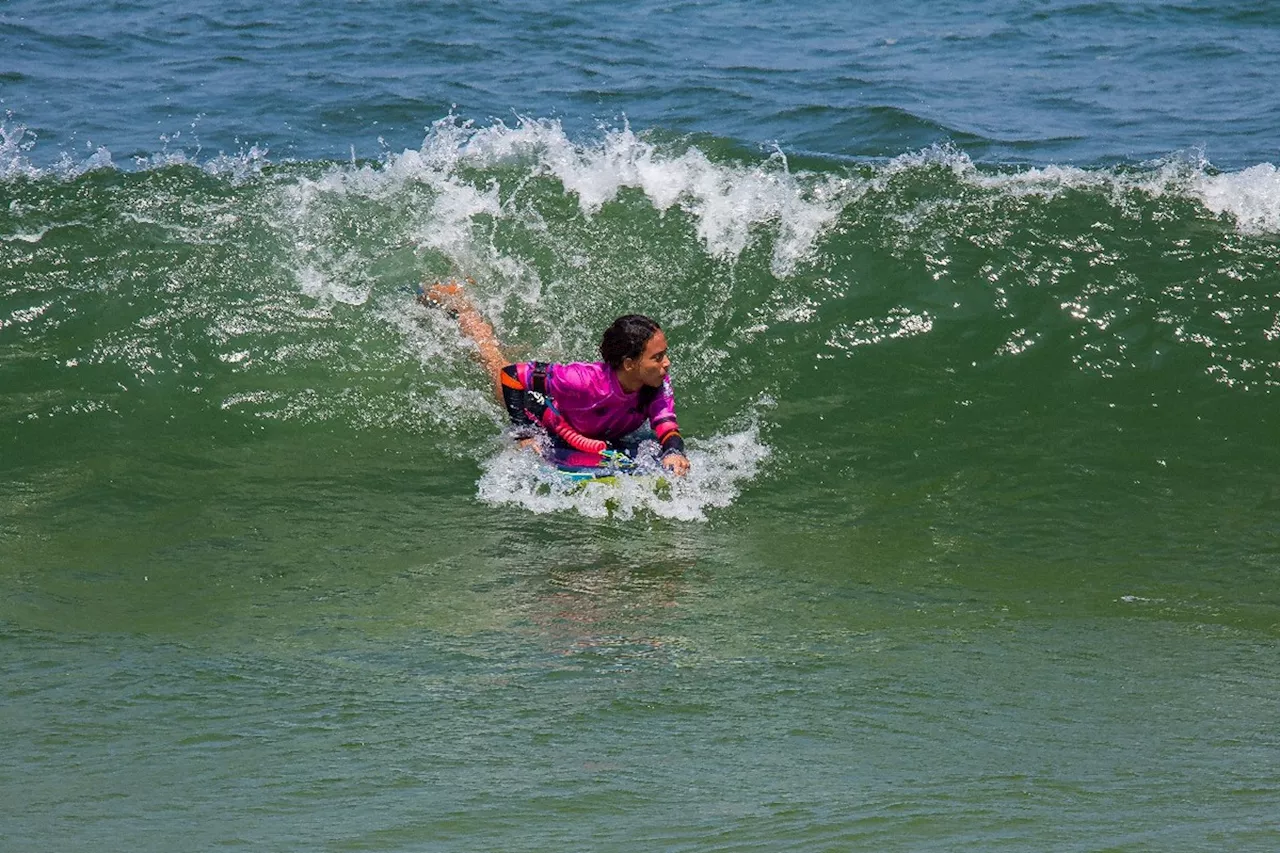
{"x":626,"y":338}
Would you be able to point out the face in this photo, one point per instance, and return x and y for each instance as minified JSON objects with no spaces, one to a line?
{"x":652,"y":365}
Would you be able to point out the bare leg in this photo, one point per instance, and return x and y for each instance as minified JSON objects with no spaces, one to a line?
{"x":449,"y":295}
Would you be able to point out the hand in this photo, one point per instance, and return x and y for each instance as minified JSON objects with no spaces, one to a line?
{"x":676,"y":464}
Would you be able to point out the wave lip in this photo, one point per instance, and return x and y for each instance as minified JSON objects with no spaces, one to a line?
{"x":1251,"y":197}
{"x":730,"y":202}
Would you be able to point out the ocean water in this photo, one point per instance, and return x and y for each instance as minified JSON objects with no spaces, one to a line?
{"x":975,"y":323}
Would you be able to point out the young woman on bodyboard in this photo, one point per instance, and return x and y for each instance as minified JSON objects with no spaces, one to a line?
{"x":587,"y":418}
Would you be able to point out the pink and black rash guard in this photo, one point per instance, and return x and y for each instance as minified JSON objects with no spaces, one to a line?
{"x":583,"y":405}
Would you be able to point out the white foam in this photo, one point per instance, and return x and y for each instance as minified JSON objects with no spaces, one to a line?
{"x":15,"y":142}
{"x":720,"y":467}
{"x":1251,"y":197}
{"x":319,"y":285}
{"x":729,"y":203}
{"x":26,"y":237}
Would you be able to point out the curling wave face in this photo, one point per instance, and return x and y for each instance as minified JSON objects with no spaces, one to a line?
{"x":238,"y":293}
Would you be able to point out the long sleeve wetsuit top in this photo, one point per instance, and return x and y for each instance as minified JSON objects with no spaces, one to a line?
{"x":587,"y":398}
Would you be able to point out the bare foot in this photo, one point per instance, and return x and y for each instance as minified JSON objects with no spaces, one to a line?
{"x":447,"y":295}
{"x":450,"y":296}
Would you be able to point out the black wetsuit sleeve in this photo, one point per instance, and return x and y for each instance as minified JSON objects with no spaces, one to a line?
{"x":525,"y":406}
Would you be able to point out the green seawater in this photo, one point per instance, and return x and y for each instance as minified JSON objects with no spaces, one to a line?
{"x":979,"y":550}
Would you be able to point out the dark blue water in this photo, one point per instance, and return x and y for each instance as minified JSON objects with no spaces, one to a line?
{"x":1012,"y":82}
